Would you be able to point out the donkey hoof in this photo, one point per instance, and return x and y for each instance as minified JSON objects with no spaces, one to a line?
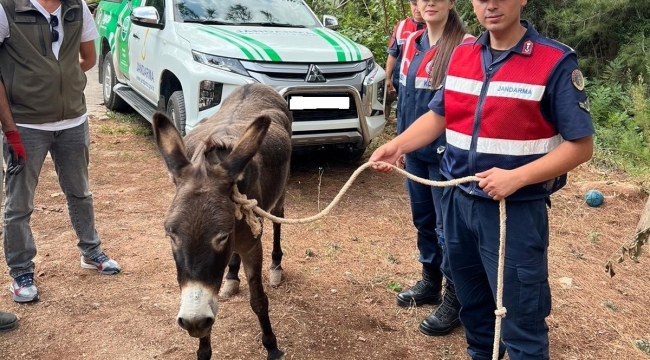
{"x":204,"y":354}
{"x":275,"y":278}
{"x":229,"y":288}
{"x":275,"y":355}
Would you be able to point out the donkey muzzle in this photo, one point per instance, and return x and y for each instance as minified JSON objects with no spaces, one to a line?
{"x":198,"y":310}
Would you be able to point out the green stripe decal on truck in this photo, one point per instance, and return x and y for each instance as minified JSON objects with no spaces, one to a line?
{"x":353,"y":46}
{"x":348,"y":50}
{"x":269,"y":52}
{"x":340,"y":54}
{"x":243,"y":49}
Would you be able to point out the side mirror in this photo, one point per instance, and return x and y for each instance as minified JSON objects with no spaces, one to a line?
{"x":330,"y":22}
{"x":146,"y":16}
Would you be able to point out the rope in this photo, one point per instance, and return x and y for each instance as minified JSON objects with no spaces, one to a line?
{"x":248,"y":208}
{"x":500,"y":312}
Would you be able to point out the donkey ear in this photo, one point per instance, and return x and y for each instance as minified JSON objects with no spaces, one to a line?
{"x":170,"y":144}
{"x":246,"y":147}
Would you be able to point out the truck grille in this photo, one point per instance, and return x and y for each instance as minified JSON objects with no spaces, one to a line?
{"x":319,"y":115}
{"x":290,"y":74}
{"x":326,"y":114}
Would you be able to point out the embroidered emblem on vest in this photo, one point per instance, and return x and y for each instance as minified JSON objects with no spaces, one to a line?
{"x":577,"y":79}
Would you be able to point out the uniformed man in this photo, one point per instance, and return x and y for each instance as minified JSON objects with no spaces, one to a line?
{"x":520,"y":131}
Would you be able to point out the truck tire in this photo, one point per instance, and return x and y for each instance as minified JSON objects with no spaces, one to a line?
{"x":111,"y":100}
{"x":176,"y":110}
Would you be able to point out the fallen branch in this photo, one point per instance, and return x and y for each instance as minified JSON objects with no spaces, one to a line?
{"x":632,"y":247}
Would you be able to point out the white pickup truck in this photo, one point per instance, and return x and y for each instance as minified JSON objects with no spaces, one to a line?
{"x":185,"y":56}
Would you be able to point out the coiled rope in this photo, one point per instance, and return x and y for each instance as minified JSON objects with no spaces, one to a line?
{"x":248,"y":208}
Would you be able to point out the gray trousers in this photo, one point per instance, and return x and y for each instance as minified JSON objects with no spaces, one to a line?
{"x":69,"y":151}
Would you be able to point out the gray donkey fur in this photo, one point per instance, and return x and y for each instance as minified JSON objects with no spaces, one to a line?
{"x":247,"y":143}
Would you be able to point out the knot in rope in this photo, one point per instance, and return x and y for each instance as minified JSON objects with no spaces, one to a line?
{"x":501,"y":312}
{"x":245,"y":207}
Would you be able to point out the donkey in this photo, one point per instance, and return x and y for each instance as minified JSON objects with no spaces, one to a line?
{"x":247,"y":144}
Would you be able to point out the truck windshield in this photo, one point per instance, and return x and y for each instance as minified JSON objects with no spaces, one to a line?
{"x":282,"y":13}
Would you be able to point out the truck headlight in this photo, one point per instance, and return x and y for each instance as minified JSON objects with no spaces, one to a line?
{"x":370,"y":65}
{"x":220,"y":62}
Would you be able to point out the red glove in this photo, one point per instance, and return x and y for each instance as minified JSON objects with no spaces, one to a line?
{"x":17,"y":152}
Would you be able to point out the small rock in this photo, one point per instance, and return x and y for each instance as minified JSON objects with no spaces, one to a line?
{"x":55,"y":195}
{"x":333,"y":291}
{"x":361,"y":338}
{"x":566,"y":282}
{"x":95,"y":305}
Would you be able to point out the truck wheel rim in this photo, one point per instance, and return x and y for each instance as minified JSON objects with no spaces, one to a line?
{"x":108,"y":76}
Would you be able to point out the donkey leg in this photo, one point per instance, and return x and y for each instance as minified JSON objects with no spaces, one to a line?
{"x":205,"y":348}
{"x":230,"y":287}
{"x":275,"y":277}
{"x":258,"y":300}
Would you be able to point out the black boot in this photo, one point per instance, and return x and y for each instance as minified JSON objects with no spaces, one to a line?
{"x":425,"y":291}
{"x":442,"y":321}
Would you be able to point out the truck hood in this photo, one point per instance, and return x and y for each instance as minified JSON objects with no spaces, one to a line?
{"x":272,"y":44}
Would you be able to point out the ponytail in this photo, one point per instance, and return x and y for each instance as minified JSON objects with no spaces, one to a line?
{"x":452,"y":36}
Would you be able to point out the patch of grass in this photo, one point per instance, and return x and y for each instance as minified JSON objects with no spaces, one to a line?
{"x":314,"y":225}
{"x":393,"y":259}
{"x":332,"y":249}
{"x":127,"y":124}
{"x":610,"y":305}
{"x":310,"y":253}
{"x":126,"y":155}
{"x":112,"y":130}
{"x":594,"y":237}
{"x":643,"y":345}
{"x":394,"y":286}
{"x":125,"y":118}
{"x":576,"y":252}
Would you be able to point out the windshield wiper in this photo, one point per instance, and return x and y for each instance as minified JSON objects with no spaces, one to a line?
{"x":207,"y":22}
{"x":270,"y":24}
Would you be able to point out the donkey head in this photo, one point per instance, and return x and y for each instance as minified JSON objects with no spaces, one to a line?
{"x":201,"y":218}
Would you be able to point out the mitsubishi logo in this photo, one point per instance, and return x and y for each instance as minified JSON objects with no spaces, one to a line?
{"x":314,"y":74}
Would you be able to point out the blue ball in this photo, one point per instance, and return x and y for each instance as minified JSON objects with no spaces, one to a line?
{"x":594,"y":198}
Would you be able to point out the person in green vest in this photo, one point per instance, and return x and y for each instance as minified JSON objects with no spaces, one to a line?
{"x":44,"y":80}
{"x":9,"y":321}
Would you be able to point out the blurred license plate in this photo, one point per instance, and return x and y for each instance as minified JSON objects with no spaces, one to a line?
{"x":313,"y":102}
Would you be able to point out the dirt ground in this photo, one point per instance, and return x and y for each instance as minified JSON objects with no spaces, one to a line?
{"x":337,"y":298}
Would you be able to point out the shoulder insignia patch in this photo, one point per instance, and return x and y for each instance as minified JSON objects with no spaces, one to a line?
{"x":578,"y":80}
{"x":528,"y":48}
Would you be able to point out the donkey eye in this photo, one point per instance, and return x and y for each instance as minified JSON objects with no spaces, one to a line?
{"x":219,"y":240}
{"x":173,"y":239}
{"x":171,"y":234}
